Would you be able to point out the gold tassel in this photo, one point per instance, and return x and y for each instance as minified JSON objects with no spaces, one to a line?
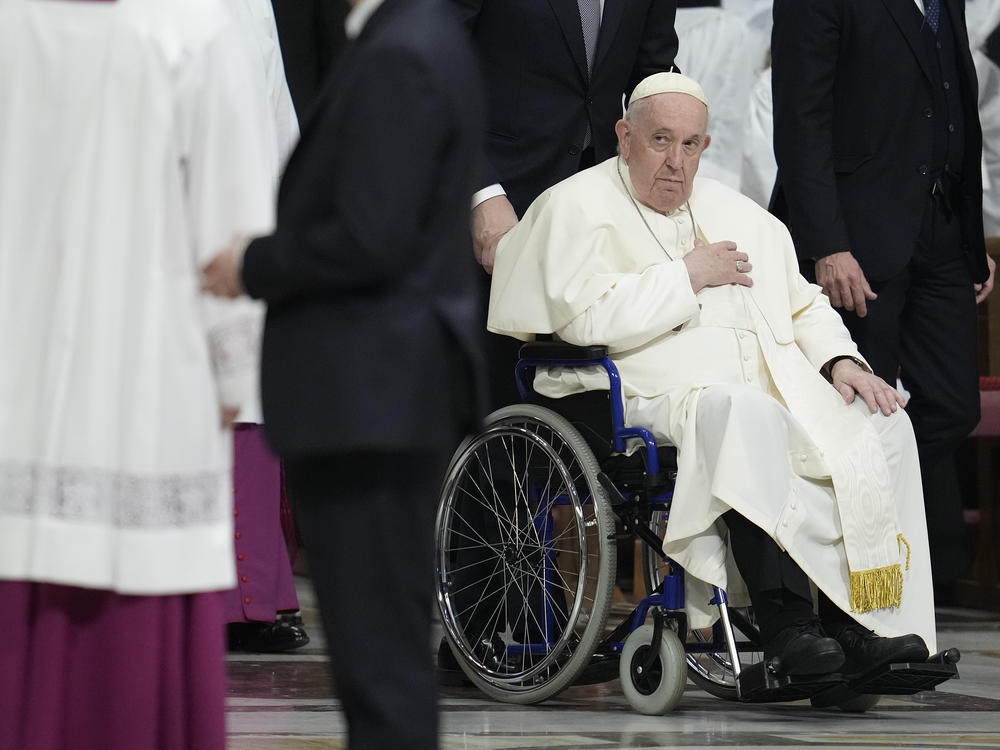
{"x":901,"y":538}
{"x":877,"y":588}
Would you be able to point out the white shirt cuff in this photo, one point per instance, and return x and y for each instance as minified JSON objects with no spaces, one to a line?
{"x":486,"y":193}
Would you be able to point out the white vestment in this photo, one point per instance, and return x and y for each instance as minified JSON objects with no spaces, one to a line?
{"x":989,"y":114}
{"x":759,"y":165}
{"x":758,"y":17}
{"x":713,"y":51}
{"x":276,"y":118}
{"x":130,"y":143}
{"x":729,"y":375}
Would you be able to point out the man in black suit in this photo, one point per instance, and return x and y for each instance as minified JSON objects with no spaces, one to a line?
{"x":555,"y":72}
{"x":311,"y":34}
{"x":878,"y":145}
{"x":370,"y":350}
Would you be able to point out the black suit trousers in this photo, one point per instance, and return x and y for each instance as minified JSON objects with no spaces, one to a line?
{"x":923,"y":327}
{"x":367,"y":522}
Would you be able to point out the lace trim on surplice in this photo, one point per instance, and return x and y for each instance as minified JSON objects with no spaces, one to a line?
{"x":112,"y":498}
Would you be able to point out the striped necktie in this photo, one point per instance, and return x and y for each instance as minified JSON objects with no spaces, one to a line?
{"x":590,"y":20}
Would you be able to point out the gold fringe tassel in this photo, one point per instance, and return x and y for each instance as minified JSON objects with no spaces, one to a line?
{"x":877,"y":588}
{"x":901,"y":538}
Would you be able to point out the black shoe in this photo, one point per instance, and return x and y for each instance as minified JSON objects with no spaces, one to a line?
{"x":866,"y":652}
{"x":449,"y":672}
{"x":285,"y":634}
{"x":803,"y":649}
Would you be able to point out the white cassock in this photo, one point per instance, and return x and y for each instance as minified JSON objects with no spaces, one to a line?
{"x":276,"y":117}
{"x":731,"y":377}
{"x":982,"y":17}
{"x":713,"y":51}
{"x":758,"y":17}
{"x":123,"y":173}
{"x":759,"y":166}
{"x":989,"y":115}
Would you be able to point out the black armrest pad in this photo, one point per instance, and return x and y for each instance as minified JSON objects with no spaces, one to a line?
{"x":560,"y":350}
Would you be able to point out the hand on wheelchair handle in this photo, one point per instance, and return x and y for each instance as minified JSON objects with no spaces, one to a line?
{"x":491,"y":220}
{"x":717,"y":264}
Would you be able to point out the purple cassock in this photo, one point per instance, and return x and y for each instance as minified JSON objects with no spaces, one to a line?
{"x":263,"y":569}
{"x":84,"y":668}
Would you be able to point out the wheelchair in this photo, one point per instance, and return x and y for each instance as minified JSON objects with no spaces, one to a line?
{"x":531,"y":511}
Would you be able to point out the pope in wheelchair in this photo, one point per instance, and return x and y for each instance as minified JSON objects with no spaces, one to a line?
{"x":797,"y":472}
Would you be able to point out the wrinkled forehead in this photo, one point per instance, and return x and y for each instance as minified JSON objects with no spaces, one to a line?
{"x":678,"y":113}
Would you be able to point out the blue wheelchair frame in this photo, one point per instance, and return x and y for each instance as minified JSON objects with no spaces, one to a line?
{"x":671,"y":598}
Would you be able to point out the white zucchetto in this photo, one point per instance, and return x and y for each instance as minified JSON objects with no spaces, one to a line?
{"x":668,"y":83}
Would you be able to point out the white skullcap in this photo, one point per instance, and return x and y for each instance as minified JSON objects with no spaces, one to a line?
{"x":668,"y":83}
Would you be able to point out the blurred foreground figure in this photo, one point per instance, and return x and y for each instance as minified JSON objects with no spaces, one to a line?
{"x":124,"y":140}
{"x":369,"y":362}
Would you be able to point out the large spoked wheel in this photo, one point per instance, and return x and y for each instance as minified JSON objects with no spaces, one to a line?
{"x":654,"y":685}
{"x":525,"y":555}
{"x":712,"y":671}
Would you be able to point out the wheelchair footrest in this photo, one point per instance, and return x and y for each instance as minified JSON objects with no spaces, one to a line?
{"x":760,"y":685}
{"x":905,"y":678}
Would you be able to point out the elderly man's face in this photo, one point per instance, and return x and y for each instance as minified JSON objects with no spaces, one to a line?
{"x":662,"y":143}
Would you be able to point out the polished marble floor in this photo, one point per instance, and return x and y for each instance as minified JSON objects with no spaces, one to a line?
{"x":285,"y":701}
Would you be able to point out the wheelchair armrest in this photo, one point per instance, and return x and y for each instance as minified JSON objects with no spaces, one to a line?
{"x":558,"y":350}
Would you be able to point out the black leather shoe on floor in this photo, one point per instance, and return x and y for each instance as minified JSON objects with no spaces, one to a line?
{"x":449,"y":673}
{"x":285,"y":634}
{"x":803,"y":649}
{"x":866,"y":652}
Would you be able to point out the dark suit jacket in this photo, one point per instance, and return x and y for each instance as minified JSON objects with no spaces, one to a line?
{"x":852,"y":131}
{"x":311,"y":33}
{"x":369,"y":277}
{"x":538,"y":96}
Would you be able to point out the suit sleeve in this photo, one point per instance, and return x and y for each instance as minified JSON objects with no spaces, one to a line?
{"x":658,"y":46}
{"x":468,"y":11}
{"x":805,"y":43}
{"x":386,"y":173}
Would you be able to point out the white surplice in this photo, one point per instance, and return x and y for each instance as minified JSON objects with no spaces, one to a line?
{"x":277,"y":119}
{"x":729,"y":375}
{"x":713,"y":50}
{"x":130,"y":142}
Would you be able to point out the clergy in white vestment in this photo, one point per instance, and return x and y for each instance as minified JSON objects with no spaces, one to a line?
{"x":130,"y":140}
{"x":790,"y":451}
{"x":713,"y":48}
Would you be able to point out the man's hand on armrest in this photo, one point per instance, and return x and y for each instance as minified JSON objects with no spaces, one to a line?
{"x":850,"y":378}
{"x":491,"y":220}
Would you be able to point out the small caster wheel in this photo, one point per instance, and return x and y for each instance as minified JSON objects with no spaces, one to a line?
{"x":655,"y":689}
